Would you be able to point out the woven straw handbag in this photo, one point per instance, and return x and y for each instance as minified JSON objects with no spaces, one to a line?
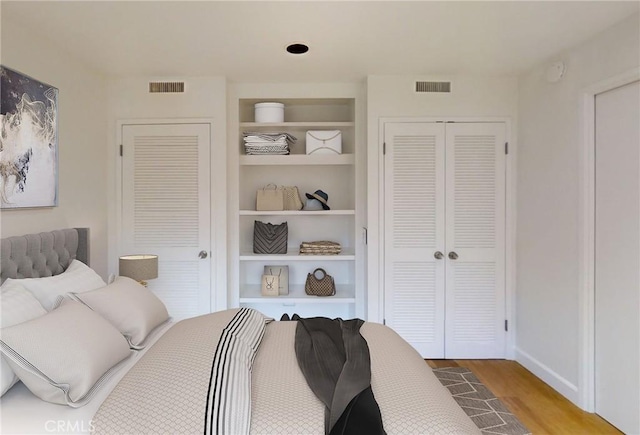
{"x":324,"y":286}
{"x":292,"y":199}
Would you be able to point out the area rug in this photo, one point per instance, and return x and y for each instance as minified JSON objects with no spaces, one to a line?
{"x":484,"y":408}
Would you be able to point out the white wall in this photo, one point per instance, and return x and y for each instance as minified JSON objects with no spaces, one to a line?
{"x":394,"y":96}
{"x":82,"y":127}
{"x":204,"y":98}
{"x":548,"y":225}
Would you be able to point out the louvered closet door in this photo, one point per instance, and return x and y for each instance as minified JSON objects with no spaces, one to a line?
{"x":475,"y":232}
{"x":414,"y":232}
{"x":166,"y":209}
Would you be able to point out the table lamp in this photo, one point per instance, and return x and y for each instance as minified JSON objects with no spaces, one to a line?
{"x":139,"y":267}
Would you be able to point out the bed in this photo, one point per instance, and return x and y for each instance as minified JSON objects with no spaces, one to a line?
{"x":178,"y":381}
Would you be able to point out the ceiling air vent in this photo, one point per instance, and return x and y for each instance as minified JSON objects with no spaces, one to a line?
{"x":433,"y":87}
{"x":166,"y":87}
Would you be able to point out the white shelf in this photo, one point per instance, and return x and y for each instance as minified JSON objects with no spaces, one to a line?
{"x":250,"y":294}
{"x":298,"y":213}
{"x":334,"y":173}
{"x":298,"y":159}
{"x":303,"y":124}
{"x":295,"y":256}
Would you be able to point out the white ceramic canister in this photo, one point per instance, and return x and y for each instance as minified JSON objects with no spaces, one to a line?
{"x":269,"y":112}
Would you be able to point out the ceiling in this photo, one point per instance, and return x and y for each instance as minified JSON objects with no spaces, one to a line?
{"x":245,"y":41}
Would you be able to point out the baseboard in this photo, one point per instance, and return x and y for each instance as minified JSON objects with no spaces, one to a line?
{"x":551,"y":378}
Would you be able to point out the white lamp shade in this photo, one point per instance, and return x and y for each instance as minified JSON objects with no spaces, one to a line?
{"x":139,"y":267}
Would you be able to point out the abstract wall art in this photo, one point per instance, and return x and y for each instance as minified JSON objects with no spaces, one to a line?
{"x":28,"y":142}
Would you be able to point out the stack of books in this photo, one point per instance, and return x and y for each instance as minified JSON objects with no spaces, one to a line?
{"x":322,"y":247}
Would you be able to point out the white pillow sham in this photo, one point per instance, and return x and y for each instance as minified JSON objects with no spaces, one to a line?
{"x":77,"y":278}
{"x":66,"y":355}
{"x":18,"y":305}
{"x":129,"y":306}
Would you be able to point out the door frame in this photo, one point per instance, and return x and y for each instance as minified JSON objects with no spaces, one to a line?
{"x":218,"y":201}
{"x":586,"y":242}
{"x":376,"y":223}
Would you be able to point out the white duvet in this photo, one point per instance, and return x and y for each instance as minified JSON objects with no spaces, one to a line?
{"x":411,"y":399}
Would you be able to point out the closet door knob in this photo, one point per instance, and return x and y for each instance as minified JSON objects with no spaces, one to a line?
{"x":439,"y":255}
{"x":203,"y":254}
{"x":453,"y":255}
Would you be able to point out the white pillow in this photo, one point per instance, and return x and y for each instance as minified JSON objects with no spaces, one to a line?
{"x":17,"y":305}
{"x":132,"y":308}
{"x":77,"y":278}
{"x":64,"y":356}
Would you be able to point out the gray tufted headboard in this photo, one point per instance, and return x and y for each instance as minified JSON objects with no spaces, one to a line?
{"x":43,"y":254}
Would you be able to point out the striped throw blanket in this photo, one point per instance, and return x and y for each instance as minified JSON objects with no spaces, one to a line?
{"x":229,"y":399}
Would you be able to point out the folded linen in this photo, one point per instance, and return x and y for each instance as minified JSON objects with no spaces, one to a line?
{"x":267,"y":143}
{"x":320,"y":247}
{"x":274,"y":149}
{"x":258,"y":142}
{"x":270,"y":136}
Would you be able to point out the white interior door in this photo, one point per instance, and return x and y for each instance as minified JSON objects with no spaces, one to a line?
{"x":617,"y":257}
{"x":166,"y":210}
{"x":444,"y":240}
{"x":414,"y":232}
{"x":475,"y":240}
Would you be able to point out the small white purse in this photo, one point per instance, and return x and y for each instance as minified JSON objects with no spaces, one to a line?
{"x":324,"y":142}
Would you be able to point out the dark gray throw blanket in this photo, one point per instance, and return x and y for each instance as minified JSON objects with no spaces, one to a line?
{"x":334,"y":359}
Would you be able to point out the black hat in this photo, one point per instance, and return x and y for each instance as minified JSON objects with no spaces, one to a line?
{"x":320,"y":196}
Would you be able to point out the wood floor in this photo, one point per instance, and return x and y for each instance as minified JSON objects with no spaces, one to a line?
{"x":538,"y":406}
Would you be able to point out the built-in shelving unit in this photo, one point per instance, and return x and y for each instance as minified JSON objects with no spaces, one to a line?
{"x":299,"y":159}
{"x":290,"y":125}
{"x":251,"y":295}
{"x":297,"y":213}
{"x":334,"y":174}
{"x":294,"y":256}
